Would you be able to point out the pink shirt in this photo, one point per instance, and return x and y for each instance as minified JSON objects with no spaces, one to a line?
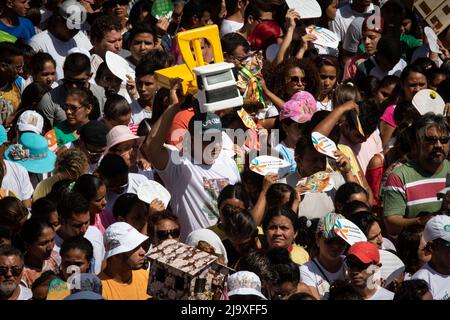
{"x":366,"y":150}
{"x":104,"y":219}
{"x":388,"y":116}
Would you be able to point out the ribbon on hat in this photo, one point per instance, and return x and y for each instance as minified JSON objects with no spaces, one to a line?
{"x":19,"y":153}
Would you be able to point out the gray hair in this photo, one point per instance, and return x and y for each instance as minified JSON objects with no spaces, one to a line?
{"x":9,"y":250}
{"x":429,"y":120}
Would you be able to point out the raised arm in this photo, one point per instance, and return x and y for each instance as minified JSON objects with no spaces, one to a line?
{"x":291,"y":17}
{"x":153,"y":148}
{"x":326,"y":125}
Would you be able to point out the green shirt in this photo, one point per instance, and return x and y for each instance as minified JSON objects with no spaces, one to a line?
{"x":409,"y":190}
{"x":408,"y":45}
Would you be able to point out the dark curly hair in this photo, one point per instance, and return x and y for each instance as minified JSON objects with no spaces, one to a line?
{"x":103,"y":25}
{"x":278,"y":82}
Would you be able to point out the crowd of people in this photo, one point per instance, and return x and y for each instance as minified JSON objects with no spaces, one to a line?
{"x":77,"y":142}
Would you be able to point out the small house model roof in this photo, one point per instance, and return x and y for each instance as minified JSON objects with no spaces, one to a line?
{"x":181,"y":257}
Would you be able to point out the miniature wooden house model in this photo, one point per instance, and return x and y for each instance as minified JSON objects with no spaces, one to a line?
{"x":182,"y":272}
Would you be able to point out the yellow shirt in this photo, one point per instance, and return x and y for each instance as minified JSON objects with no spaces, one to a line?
{"x":135,"y":290}
{"x":45,"y":186}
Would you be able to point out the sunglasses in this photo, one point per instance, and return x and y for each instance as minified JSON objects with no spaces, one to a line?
{"x":356,"y":265}
{"x":70,"y":107}
{"x":15,"y":271}
{"x":165,"y":234}
{"x":246,"y":57}
{"x":433,"y":140}
{"x":75,"y":83}
{"x":297,"y":79}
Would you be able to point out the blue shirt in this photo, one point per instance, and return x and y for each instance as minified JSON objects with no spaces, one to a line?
{"x":24,"y":30}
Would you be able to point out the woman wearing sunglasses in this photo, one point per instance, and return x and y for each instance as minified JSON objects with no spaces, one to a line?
{"x":79,"y":106}
{"x":163,"y":226}
{"x":327,"y":267}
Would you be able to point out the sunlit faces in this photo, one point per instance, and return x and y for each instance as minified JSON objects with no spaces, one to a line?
{"x":20,"y":7}
{"x":74,"y":257}
{"x":383,"y":94}
{"x":42,"y":248}
{"x":374,"y":235}
{"x":370,"y":40}
{"x":141,"y":44}
{"x":328,"y":77}
{"x":331,"y":10}
{"x":295,"y":81}
{"x":147,"y":87}
{"x":76,"y":225}
{"x":280,"y":232}
{"x":11,"y":270}
{"x":112,"y":41}
{"x":434,"y":147}
{"x":48,"y":74}
{"x":76,"y":113}
{"x":413,"y":84}
{"x":166,"y":229}
{"x":97,"y":204}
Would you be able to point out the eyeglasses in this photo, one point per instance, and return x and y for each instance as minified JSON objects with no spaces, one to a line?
{"x":70,"y":107}
{"x":165,"y":234}
{"x":297,"y":79}
{"x":15,"y":271}
{"x":433,"y":140}
{"x":245,"y":58}
{"x":75,"y":83}
{"x":356,"y":265}
{"x":17,"y":67}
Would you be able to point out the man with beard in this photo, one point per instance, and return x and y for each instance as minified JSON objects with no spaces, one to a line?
{"x":124,"y":277}
{"x":11,"y":271}
{"x":411,"y":189}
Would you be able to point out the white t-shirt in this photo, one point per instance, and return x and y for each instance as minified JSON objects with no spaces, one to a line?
{"x":25,"y":293}
{"x":382,"y":294}
{"x":195,"y":189}
{"x":229,"y":26}
{"x":95,"y":237}
{"x":17,"y":180}
{"x":134,"y":181}
{"x":46,"y":42}
{"x":378,"y":73}
{"x":311,"y":275}
{"x":138,"y":113}
{"x":344,"y":17}
{"x":439,"y":283}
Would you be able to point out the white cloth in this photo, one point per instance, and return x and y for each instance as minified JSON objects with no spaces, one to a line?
{"x":344,"y":17}
{"x":209,"y":236}
{"x":382,"y":294}
{"x":327,"y":106}
{"x":138,"y":113}
{"x":96,"y":238}
{"x":378,"y":73}
{"x":25,"y":293}
{"x":439,"y":283}
{"x":229,"y":26}
{"x":17,"y":180}
{"x":313,"y":277}
{"x":195,"y":189}
{"x":58,"y":49}
{"x":134,"y":181}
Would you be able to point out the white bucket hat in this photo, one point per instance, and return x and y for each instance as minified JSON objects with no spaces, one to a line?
{"x":120,"y":237}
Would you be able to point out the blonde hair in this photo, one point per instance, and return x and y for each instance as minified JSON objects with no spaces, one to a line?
{"x":346,"y":92}
{"x":71,"y":162}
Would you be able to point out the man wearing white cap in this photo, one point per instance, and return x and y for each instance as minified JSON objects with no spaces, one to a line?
{"x":244,"y":285}
{"x":124,"y":277}
{"x":437,"y":272}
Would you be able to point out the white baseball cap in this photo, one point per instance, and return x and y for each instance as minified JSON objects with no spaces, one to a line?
{"x":120,"y":237}
{"x":437,"y":227}
{"x":30,"y":121}
{"x":244,"y":283}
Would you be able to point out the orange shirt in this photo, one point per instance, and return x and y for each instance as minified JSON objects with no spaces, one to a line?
{"x":135,"y":290}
